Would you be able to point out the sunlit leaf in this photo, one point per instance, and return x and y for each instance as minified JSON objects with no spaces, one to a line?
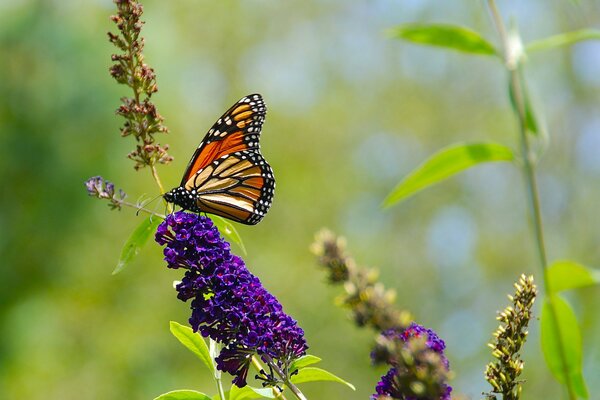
{"x":304,"y":361}
{"x":313,"y":374}
{"x":248,"y":392}
{"x":228,"y":230}
{"x":445,"y":163}
{"x":194,"y":342}
{"x":566,"y":274}
{"x":566,"y":363}
{"x":136,"y":241}
{"x":449,"y":36}
{"x":563,"y":39}
{"x":183,"y":395}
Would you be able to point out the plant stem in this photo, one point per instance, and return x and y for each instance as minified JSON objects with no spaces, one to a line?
{"x":140,"y":208}
{"x":512,"y":66}
{"x":160,"y":186}
{"x":215,"y":349}
{"x":260,"y":369}
{"x":286,"y":380}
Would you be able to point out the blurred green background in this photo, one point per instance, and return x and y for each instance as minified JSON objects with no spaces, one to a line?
{"x":350,"y":112}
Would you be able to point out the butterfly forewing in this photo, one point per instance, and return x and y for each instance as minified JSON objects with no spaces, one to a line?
{"x":237,"y":130}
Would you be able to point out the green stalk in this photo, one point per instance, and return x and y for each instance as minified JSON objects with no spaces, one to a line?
{"x":215,"y":349}
{"x":512,"y":63}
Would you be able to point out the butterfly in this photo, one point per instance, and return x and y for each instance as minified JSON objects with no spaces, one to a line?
{"x":227,"y":175}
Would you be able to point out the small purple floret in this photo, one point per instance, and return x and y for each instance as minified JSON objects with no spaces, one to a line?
{"x":229,"y":304}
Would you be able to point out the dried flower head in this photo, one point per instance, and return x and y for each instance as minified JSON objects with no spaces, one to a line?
{"x":370,"y":302}
{"x":509,"y":338}
{"x":103,"y":189}
{"x":142,"y":118}
{"x":229,"y":304}
{"x":420,"y":370}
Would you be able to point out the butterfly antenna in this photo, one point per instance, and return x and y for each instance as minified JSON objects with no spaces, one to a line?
{"x":144,"y":204}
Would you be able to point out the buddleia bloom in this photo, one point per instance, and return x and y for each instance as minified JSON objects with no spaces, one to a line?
{"x":229,"y":304}
{"x":142,"y":119}
{"x":419,"y":369}
{"x":100,"y":188}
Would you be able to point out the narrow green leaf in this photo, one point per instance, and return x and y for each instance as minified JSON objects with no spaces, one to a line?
{"x":183,"y":395}
{"x":563,"y":39}
{"x":313,"y":374}
{"x":566,"y":275}
{"x":248,"y":392}
{"x":449,"y":36}
{"x":304,"y":361}
{"x":136,"y":241}
{"x":445,"y":163}
{"x":194,"y":342}
{"x":565,"y":364}
{"x":531,"y":123}
{"x":228,"y":230}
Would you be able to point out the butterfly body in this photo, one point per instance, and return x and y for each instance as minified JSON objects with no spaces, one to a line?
{"x":227,"y":175}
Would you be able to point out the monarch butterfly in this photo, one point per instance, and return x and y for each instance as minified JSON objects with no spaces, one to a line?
{"x":227,"y":175}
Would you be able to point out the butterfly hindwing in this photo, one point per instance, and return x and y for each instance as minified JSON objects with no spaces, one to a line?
{"x":237,"y":130}
{"x":238,"y":186}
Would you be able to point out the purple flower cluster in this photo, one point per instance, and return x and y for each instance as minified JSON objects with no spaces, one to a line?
{"x":229,"y":304}
{"x":98,"y":187}
{"x":391,"y":384}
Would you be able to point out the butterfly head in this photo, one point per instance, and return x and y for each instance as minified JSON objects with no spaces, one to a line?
{"x":182,"y":197}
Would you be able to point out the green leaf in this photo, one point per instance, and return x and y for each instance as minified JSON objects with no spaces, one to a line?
{"x":313,"y":374}
{"x":566,"y":275}
{"x":564,"y":39}
{"x":228,"y":230}
{"x":449,"y":36}
{"x":445,"y":163}
{"x":565,"y":364}
{"x":194,"y":342}
{"x":530,"y":119}
{"x":304,"y":361}
{"x":136,"y":241}
{"x":248,"y":392}
{"x":183,"y":395}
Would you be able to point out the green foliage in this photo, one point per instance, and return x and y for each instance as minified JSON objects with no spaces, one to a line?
{"x":183,"y":395}
{"x":449,"y":36}
{"x":304,"y":361}
{"x":445,"y":163}
{"x":531,"y":123}
{"x":563,"y":39}
{"x":248,"y":392}
{"x":561,"y":344}
{"x":313,"y":374}
{"x":136,"y":241}
{"x":567,"y":274}
{"x":194,"y":342}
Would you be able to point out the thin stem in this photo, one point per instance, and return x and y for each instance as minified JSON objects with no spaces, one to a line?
{"x":286,"y":380}
{"x":260,"y":369}
{"x":532,"y":187}
{"x":160,"y":186}
{"x":140,"y":208}
{"x":215,"y":349}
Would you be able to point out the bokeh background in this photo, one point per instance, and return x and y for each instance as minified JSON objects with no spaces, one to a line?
{"x":350,"y":112}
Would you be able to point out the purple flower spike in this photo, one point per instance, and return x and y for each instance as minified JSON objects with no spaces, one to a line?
{"x":416,"y":354}
{"x":229,"y":304}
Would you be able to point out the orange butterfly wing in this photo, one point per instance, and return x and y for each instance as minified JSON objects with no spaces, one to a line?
{"x":237,"y":130}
